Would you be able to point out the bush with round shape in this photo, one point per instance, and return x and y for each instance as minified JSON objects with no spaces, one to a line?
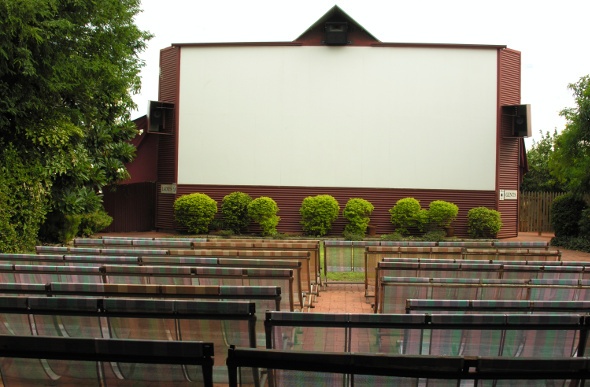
{"x":441,"y":213}
{"x":234,"y":208}
{"x":406,"y":214}
{"x":195,"y":212}
{"x":318,"y":213}
{"x":263,"y":210}
{"x":357,"y":212}
{"x":483,"y":222}
{"x":566,"y":212}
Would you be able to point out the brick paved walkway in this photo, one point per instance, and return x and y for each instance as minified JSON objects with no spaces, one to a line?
{"x":343,"y":298}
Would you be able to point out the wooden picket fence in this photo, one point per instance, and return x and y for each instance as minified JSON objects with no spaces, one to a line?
{"x":535,"y":211}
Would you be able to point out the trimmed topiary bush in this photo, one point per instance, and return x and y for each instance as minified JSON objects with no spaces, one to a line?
{"x":357,"y":212}
{"x":234,"y":208}
{"x":318,"y":213}
{"x":566,"y":212}
{"x":406,"y":214}
{"x":441,"y":214}
{"x":483,"y":222}
{"x":195,"y":212}
{"x":263,"y":210}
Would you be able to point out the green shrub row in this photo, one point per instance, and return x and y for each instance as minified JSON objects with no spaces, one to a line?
{"x":319,"y":212}
{"x":196,"y":212}
{"x":408,"y":214}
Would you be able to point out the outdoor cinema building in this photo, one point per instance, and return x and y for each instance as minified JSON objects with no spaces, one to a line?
{"x":336,"y":111}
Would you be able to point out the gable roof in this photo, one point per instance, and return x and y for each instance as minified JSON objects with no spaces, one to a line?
{"x":357,"y":33}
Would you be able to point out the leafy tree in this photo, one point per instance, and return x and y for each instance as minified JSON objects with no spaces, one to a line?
{"x":570,"y":161}
{"x":539,"y":177}
{"x":68,"y":70}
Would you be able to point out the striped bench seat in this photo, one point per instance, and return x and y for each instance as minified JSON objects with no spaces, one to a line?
{"x":394,"y":291}
{"x":48,"y":361}
{"x":222,"y":323}
{"x":496,"y":306}
{"x":373,"y":255}
{"x":289,"y":368}
{"x":453,"y":334}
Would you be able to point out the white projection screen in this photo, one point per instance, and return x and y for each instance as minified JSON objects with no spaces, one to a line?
{"x":317,"y":116}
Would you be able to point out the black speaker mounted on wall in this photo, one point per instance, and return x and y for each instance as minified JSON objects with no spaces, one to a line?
{"x":519,"y":119}
{"x":158,"y":115}
{"x":336,"y":33}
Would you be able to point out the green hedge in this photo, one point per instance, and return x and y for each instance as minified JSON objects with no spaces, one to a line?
{"x":318,"y":213}
{"x":357,"y":212}
{"x":263,"y":210}
{"x":195,"y":212}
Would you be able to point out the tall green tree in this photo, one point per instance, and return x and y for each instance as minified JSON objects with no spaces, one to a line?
{"x":68,"y":70}
{"x":570,"y":161}
{"x":539,"y":177}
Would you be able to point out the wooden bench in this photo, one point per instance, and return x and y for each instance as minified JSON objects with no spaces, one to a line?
{"x":394,"y":291}
{"x":378,"y":253}
{"x":66,"y":361}
{"x":477,"y":269}
{"x":155,"y":260}
{"x":310,"y":246}
{"x":117,"y":251}
{"x":513,"y":254}
{"x":291,"y":368}
{"x":374,"y":254}
{"x":555,"y":335}
{"x":496,"y":306}
{"x":163,"y":275}
{"x":159,"y":243}
{"x":303,"y":257}
{"x":264,"y":297}
{"x":221,"y":322}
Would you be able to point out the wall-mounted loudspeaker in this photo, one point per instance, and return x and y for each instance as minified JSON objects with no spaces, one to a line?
{"x":158,"y":114}
{"x":336,"y":33}
{"x":519,"y":119}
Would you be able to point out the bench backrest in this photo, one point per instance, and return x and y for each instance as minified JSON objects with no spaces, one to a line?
{"x":375,"y":254}
{"x":291,"y":368}
{"x":514,"y":335}
{"x":298,"y":256}
{"x":36,"y":361}
{"x":496,"y":306}
{"x":394,"y":291}
{"x":474,"y":269}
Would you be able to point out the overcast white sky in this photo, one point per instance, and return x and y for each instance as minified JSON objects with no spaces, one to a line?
{"x":552,"y":36}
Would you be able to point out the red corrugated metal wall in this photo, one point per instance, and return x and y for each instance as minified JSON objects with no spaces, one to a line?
{"x":289,"y":201}
{"x":508,"y":147}
{"x":167,"y":150}
{"x":131,"y":206}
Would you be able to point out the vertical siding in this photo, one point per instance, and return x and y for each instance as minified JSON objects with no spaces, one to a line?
{"x":131,"y":206}
{"x":167,"y":154}
{"x":289,"y":201}
{"x":508,"y":172}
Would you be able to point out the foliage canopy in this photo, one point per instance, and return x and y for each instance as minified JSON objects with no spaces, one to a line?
{"x":570,"y":161}
{"x":539,"y":177}
{"x":68,"y":70}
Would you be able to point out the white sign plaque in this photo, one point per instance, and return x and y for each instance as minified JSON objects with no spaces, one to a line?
{"x":168,"y":188}
{"x":510,"y":194}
